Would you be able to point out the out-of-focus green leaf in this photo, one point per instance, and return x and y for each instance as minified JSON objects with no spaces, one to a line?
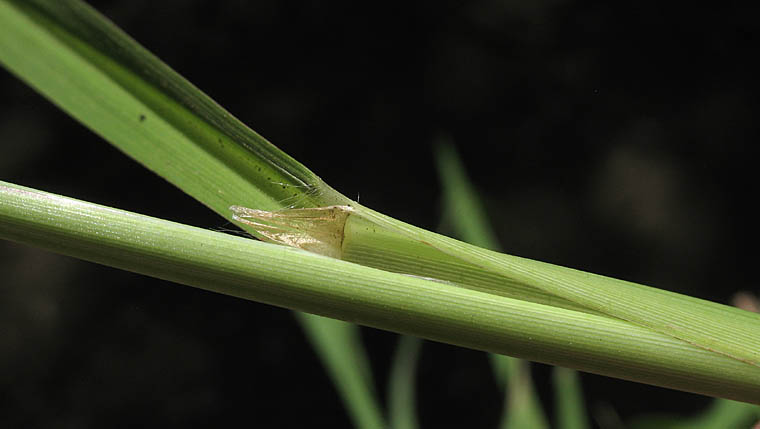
{"x":722,"y":414}
{"x":402,"y":405}
{"x":568,"y":398}
{"x":463,"y":208}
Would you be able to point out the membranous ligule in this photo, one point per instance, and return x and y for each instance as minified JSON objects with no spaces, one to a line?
{"x":317,"y":229}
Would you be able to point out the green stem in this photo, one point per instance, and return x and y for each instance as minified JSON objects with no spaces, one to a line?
{"x":436,"y":310}
{"x":714,"y":327}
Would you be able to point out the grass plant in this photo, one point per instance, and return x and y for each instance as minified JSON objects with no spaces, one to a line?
{"x":373,"y":270}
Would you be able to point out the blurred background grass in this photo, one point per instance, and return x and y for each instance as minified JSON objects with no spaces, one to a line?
{"x":610,"y":138}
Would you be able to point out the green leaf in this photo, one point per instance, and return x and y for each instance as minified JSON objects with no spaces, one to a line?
{"x":721,"y":413}
{"x":402,"y":405}
{"x":100,"y":76}
{"x":462,"y":206}
{"x":339,"y":347}
{"x":522,"y":409}
{"x":568,"y":398}
{"x":93,"y":71}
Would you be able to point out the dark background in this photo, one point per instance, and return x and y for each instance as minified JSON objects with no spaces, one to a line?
{"x":613,"y":138}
